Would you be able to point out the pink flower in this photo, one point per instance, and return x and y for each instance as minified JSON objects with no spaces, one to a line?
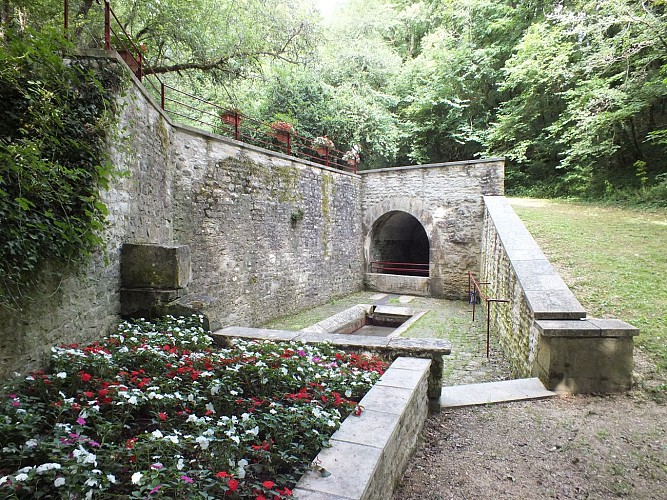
{"x":187,"y":479}
{"x":162,"y":415}
{"x":81,"y":421}
{"x":155,"y":490}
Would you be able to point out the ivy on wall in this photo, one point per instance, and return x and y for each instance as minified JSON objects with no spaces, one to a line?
{"x":54,"y":117}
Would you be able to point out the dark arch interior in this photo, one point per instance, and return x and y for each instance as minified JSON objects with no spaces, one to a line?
{"x":399,"y":245}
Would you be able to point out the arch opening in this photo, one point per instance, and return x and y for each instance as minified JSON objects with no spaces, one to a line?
{"x":399,"y":245}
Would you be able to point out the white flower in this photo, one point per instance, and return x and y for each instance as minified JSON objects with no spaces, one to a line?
{"x":132,"y":400}
{"x":203,"y":442}
{"x":47,"y":467}
{"x":173,"y":439}
{"x":236,"y":439}
{"x":254,"y":431}
{"x":111,"y":478}
{"x":91,"y":482}
{"x":3,"y":480}
{"x":136,"y":478}
{"x":180,"y":464}
{"x":31,"y":443}
{"x":21,"y":477}
{"x":157,"y":434}
{"x":61,"y":375}
{"x":241,"y":470}
{"x":209,"y":407}
{"x":59,"y":482}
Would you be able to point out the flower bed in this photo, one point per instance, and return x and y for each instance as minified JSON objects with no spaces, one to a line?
{"x":155,"y":411}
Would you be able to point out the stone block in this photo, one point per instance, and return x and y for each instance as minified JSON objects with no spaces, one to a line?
{"x":155,"y":266}
{"x":614,"y":327}
{"x":400,"y":378}
{"x":350,"y":466}
{"x":374,"y":427}
{"x":145,"y":302}
{"x":223,"y":335}
{"x":567,"y":328}
{"x":585,"y":365}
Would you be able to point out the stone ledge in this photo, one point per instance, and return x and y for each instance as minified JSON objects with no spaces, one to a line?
{"x":546,"y":294}
{"x":369,"y":453}
{"x":586,"y":328}
{"x":387,"y":348}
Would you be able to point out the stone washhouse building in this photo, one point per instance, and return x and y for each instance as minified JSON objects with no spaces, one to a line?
{"x":202,"y":223}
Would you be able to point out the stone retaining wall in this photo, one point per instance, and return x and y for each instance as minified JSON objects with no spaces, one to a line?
{"x":543,"y":329}
{"x":268,"y":234}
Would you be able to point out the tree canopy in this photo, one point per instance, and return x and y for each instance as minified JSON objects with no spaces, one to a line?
{"x":572,"y":92}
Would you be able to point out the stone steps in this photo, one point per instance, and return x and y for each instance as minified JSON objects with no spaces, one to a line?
{"x":493,"y":392}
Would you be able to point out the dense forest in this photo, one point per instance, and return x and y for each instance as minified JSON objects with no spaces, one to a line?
{"x":572,"y":93}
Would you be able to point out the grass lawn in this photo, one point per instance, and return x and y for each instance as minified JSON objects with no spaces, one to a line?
{"x":613,"y":259}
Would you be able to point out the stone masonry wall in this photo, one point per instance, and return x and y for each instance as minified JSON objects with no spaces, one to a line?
{"x":234,"y":207}
{"x":447,"y":199}
{"x":84,"y":304}
{"x":231,"y":203}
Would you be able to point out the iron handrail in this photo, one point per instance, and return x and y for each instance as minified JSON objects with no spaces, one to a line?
{"x":295,"y":145}
{"x":474,"y":291}
{"x":413,"y":267}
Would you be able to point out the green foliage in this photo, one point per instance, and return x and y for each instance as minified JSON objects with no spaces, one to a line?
{"x":52,"y":136}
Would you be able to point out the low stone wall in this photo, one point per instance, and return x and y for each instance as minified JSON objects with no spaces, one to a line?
{"x":387,"y":348}
{"x":543,"y":329}
{"x":370,"y":452}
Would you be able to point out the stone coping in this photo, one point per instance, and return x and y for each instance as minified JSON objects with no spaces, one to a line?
{"x":430,"y":165}
{"x":404,"y":345}
{"x":590,"y":327}
{"x":546,"y":293}
{"x":369,"y":452}
{"x":358,"y":312}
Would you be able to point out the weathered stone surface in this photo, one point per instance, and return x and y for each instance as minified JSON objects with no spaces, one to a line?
{"x":585,"y":364}
{"x":542,"y":329}
{"x":447,"y":200}
{"x":165,"y":267}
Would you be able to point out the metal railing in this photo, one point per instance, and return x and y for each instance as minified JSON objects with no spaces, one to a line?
{"x":476,"y":295}
{"x":413,"y":268}
{"x":191,"y":109}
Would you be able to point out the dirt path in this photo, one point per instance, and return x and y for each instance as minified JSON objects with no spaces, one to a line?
{"x":579,"y":447}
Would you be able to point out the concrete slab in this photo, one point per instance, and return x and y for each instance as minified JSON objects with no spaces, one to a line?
{"x":378,"y":296}
{"x":493,"y":392}
{"x":406,"y":299}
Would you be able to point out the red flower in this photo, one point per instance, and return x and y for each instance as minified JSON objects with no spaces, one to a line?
{"x":85,"y":376}
{"x":268,"y":484}
{"x":162,"y":415}
{"x":233,"y":485}
{"x":129,"y":444}
{"x":223,"y":473}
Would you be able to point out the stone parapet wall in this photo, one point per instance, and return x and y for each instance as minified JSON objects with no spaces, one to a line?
{"x":446,"y":198}
{"x":543,"y":329}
